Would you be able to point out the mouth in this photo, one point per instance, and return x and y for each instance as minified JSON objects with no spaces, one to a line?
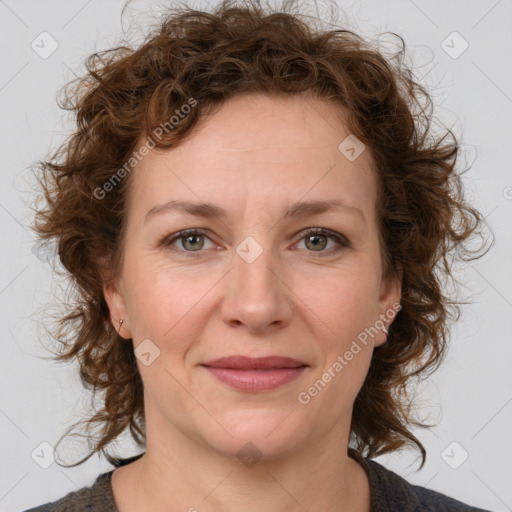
{"x":255,"y":374}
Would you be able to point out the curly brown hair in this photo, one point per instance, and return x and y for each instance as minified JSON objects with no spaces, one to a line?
{"x":127,"y":93}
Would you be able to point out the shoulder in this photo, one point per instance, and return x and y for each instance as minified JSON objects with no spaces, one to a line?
{"x":97,"y":497}
{"x":91,"y":498}
{"x":392,"y":492}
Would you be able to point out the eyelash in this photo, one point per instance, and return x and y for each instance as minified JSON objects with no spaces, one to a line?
{"x":340,"y":239}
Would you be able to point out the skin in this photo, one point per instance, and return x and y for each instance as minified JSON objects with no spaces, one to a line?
{"x":254,"y":157}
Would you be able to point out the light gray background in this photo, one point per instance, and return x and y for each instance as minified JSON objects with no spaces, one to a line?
{"x":471,"y":395}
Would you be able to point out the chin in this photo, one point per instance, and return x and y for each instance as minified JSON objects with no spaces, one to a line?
{"x":255,"y":434}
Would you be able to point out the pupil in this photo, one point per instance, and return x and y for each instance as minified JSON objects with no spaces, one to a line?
{"x":314,"y":240}
{"x":194,"y":239}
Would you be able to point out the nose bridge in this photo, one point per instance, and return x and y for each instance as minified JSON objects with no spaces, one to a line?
{"x":257,"y":297}
{"x":253,"y":262}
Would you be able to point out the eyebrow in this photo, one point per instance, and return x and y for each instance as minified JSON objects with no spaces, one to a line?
{"x":208,"y":210}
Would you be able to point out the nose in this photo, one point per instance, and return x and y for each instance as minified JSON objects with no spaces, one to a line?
{"x":258,"y":294}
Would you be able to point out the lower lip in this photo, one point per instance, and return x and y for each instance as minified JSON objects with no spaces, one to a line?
{"x":254,"y":381}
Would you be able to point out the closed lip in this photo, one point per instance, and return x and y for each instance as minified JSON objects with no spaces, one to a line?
{"x":254,"y":363}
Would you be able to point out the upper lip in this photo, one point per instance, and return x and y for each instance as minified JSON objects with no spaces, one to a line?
{"x":254,"y":363}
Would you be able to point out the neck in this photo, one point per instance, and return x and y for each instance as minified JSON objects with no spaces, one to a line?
{"x":180,"y":473}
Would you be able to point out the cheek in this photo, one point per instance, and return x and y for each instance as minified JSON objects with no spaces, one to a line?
{"x":162,"y":299}
{"x":345,"y":303}
{"x":346,"y":310}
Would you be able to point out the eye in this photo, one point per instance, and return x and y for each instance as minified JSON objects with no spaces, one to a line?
{"x":190,"y":240}
{"x":316,"y":240}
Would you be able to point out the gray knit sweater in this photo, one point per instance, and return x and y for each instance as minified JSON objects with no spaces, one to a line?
{"x":389,"y":493}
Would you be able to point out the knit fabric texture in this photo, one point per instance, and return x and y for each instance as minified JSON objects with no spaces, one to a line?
{"x":389,"y":493}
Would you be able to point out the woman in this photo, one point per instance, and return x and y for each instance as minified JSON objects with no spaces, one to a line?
{"x":257,"y":218}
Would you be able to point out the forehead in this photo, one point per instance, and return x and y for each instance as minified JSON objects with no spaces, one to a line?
{"x":257,"y":150}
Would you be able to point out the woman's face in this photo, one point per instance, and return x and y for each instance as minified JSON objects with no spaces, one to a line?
{"x":253,"y":282}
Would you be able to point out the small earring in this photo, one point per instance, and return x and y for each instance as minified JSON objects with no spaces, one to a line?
{"x":385,"y":329}
{"x":119,"y":328}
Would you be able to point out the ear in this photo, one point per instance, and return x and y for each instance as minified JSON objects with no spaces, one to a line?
{"x":389,"y":304}
{"x":115,"y":298}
